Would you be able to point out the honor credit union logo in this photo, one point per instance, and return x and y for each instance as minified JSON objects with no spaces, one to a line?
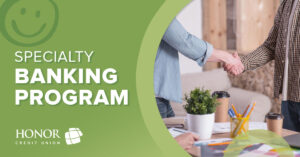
{"x":47,"y":136}
{"x":73,"y":136}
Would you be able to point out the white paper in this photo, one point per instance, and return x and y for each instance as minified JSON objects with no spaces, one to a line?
{"x":225,"y":127}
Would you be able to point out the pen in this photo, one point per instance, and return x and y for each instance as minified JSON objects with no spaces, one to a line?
{"x":251,"y":109}
{"x":181,"y":131}
{"x":219,"y":144}
{"x":234,"y":109}
{"x":231,"y":113}
{"x":212,"y":141}
{"x":246,"y":110}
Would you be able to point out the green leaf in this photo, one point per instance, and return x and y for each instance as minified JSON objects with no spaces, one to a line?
{"x":200,"y":102}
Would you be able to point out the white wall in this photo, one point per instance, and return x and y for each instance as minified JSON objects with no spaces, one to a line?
{"x":191,"y":18}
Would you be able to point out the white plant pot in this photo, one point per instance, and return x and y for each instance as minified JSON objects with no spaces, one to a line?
{"x":201,"y":124}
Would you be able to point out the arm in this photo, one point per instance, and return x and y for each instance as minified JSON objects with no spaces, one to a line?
{"x":222,"y":56}
{"x":187,"y":44}
{"x":266,"y":52}
{"x":195,"y":48}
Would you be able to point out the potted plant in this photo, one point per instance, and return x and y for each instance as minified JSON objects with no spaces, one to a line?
{"x":200,"y":107}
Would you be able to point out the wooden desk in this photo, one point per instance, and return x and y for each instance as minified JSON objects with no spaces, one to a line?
{"x":195,"y":151}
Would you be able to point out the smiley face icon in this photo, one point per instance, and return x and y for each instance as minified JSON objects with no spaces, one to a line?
{"x":28,"y":22}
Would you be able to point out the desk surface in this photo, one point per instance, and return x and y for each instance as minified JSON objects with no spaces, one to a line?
{"x":196,"y":150}
{"x":227,"y":135}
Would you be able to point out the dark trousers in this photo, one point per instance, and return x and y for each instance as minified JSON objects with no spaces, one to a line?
{"x":291,"y":113}
{"x":164,"y":108}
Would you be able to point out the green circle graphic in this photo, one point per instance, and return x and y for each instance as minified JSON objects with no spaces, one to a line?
{"x":28,"y":22}
{"x":144,"y":77}
{"x":258,"y":136}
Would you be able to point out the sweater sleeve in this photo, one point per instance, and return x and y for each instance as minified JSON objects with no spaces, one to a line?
{"x":187,"y":44}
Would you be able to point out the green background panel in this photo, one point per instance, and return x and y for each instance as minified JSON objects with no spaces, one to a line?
{"x":115,"y":30}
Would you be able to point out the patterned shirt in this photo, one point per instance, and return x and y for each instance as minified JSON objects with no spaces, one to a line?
{"x":286,"y":65}
{"x":275,"y":48}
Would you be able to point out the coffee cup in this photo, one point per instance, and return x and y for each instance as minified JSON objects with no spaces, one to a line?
{"x":274,"y":122}
{"x":221,"y":114}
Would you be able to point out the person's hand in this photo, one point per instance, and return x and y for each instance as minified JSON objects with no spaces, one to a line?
{"x":232,"y":62}
{"x":186,"y":140}
{"x":234,"y":65}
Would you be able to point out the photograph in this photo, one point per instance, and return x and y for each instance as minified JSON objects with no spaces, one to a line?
{"x":226,"y":68}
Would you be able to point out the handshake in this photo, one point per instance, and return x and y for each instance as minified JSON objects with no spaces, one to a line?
{"x":233,"y":64}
